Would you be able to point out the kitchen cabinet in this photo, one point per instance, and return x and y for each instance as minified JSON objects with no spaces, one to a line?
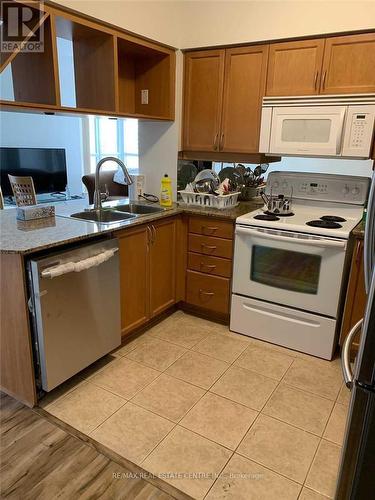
{"x":115,"y":72}
{"x":332,"y":65}
{"x":244,"y":87}
{"x":147,"y":272}
{"x":209,"y":266}
{"x":162,"y":266}
{"x":203,"y":95}
{"x":222,"y":99}
{"x":356,"y":298}
{"x":349,"y":64}
{"x":134,"y":277}
{"x":294,"y":68}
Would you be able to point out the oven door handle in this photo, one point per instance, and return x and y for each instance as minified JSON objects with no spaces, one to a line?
{"x":305,"y":241}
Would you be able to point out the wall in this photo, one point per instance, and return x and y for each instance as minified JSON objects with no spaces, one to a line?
{"x":39,"y":131}
{"x":203,"y":23}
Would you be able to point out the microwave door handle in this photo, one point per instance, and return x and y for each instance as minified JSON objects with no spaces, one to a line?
{"x":369,"y":236}
{"x":345,"y":355}
{"x":341,"y":130}
{"x":309,"y":241}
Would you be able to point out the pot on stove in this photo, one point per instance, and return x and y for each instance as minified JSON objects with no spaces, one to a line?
{"x":277,"y":205}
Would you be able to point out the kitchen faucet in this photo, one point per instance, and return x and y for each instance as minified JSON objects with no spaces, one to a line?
{"x":127,"y":179}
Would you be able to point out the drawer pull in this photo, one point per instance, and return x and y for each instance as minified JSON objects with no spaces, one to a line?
{"x":209,"y":228}
{"x":210,"y":247}
{"x":208,"y":266}
{"x":210,"y":294}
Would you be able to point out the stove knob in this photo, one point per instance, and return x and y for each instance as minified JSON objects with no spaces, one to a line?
{"x":355,"y":190}
{"x":345,"y":189}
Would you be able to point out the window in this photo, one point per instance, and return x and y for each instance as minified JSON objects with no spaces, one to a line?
{"x":113,"y":137}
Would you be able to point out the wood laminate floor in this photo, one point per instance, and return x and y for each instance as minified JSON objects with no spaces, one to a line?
{"x":39,"y":460}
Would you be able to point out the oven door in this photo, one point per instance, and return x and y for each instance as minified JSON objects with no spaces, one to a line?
{"x":313,"y":131}
{"x":287,"y":268}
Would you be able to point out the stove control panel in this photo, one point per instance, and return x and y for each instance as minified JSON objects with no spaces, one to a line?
{"x":320,"y":187}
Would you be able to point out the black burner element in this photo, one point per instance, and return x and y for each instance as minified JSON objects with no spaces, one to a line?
{"x":324,"y":224}
{"x":333,"y":218}
{"x":279,"y":215}
{"x":270,"y":217}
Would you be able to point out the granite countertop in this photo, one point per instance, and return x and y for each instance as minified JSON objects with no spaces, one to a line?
{"x":31,"y":236}
{"x":359,"y":230}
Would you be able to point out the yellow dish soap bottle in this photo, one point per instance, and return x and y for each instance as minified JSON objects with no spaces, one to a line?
{"x":166,"y":191}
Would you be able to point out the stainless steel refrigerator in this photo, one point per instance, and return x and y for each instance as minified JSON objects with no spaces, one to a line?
{"x":356,"y":479}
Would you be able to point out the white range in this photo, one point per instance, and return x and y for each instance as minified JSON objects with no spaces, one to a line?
{"x":290,"y":272}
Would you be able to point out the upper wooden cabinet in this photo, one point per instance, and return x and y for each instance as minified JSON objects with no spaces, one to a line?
{"x":222,"y":98}
{"x":203,"y":95}
{"x":89,"y":67}
{"x":294,"y":68}
{"x":334,"y":65}
{"x":244,"y":86}
{"x":349,"y":64}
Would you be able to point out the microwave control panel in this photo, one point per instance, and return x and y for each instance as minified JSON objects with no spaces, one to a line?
{"x":359,"y":131}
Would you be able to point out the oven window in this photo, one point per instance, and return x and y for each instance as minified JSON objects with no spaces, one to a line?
{"x":285,"y":269}
{"x":306,"y":130}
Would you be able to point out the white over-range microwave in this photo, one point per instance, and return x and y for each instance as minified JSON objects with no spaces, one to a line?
{"x":325,"y":126}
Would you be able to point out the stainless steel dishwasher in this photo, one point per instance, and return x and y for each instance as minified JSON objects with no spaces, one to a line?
{"x":75,"y":307}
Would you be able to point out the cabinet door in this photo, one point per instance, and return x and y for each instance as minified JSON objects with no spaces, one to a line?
{"x":349,"y":64}
{"x":162,"y":265}
{"x":134,"y":278}
{"x":294,"y":67}
{"x":203,"y":95}
{"x":356,"y":298}
{"x":244,"y":87}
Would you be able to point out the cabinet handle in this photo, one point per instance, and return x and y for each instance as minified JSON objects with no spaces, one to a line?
{"x":358,"y":253}
{"x":149,"y":237}
{"x":211,"y":229}
{"x":202,"y":292}
{"x":316,"y":80}
{"x":208,"y":266}
{"x":221,"y":142}
{"x":154,"y":233}
{"x":215,"y":141}
{"x":324,"y":79}
{"x":210,"y":247}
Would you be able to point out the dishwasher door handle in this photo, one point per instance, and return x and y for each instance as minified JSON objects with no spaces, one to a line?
{"x":77,"y":267}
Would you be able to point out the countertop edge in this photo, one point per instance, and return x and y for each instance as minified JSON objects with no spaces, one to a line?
{"x":228,"y":214}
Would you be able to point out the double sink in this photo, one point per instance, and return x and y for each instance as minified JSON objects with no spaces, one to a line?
{"x":116,"y":213}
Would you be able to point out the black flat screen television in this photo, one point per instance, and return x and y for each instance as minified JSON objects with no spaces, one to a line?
{"x":47,"y":167}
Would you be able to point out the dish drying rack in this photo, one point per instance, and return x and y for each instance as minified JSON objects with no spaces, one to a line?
{"x":220,"y":202}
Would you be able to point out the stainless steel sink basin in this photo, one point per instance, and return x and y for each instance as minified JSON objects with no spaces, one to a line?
{"x":103,"y":216}
{"x":138,"y":209}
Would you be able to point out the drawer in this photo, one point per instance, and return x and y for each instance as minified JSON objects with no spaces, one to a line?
{"x":208,"y":245}
{"x":208,"y":292}
{"x":209,"y":226}
{"x":210,"y":265}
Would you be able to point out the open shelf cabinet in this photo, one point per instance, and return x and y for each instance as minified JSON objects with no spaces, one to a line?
{"x":94,"y":65}
{"x":145,"y":80}
{"x":109,"y":72}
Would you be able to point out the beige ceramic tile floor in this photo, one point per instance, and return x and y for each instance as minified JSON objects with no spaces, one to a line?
{"x":216,"y":414}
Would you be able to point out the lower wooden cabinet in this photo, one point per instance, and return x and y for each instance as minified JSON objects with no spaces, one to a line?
{"x":209,"y":265}
{"x":147,"y":272}
{"x":355,"y":302}
{"x":162,"y":266}
{"x":208,"y":292}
